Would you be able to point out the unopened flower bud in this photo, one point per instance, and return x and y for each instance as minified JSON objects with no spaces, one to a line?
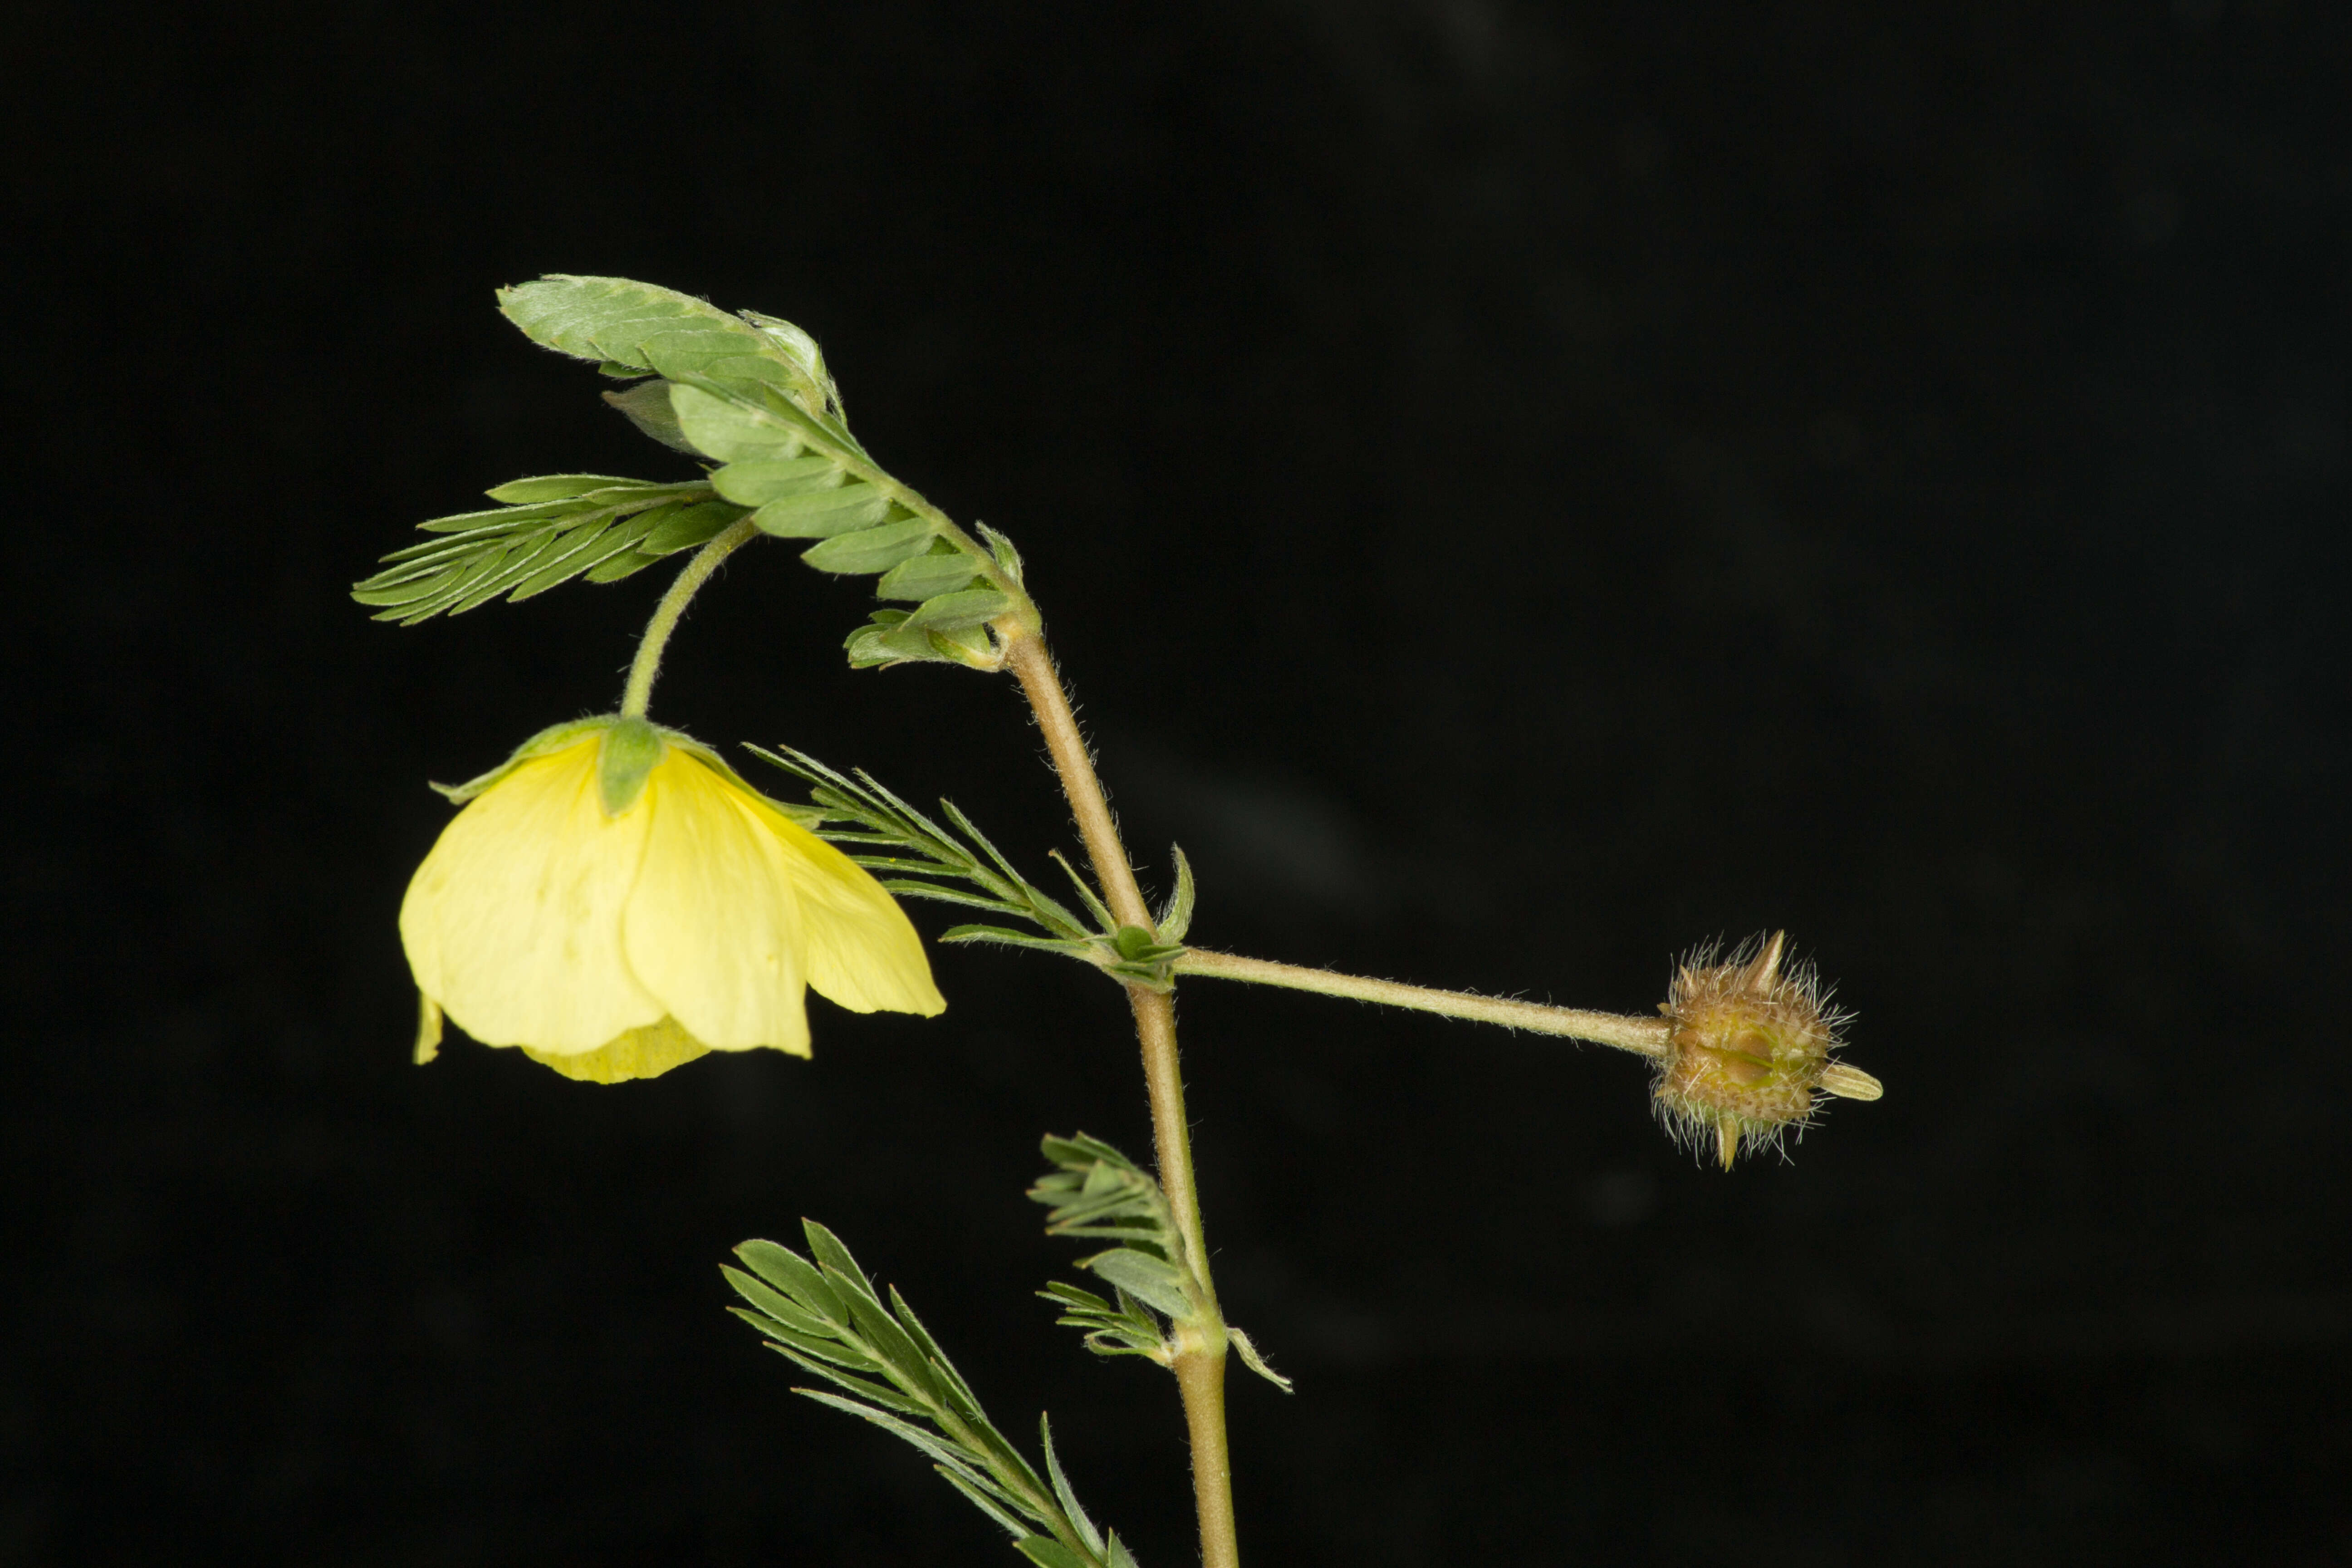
{"x":1750,"y":1051}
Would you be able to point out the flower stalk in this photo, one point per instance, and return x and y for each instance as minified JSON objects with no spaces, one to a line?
{"x":647,"y":664}
{"x":1643,"y":1037}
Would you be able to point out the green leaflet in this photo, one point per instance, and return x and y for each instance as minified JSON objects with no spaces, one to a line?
{"x":926,"y":576}
{"x":725,"y":429}
{"x":873,"y":549}
{"x":689,"y":527}
{"x":523,"y":550}
{"x":820,"y":514}
{"x":647,"y":405}
{"x":605,"y":318}
{"x":626,"y":564}
{"x":1154,"y":1281}
{"x":973,"y":607}
{"x":827,"y":1320}
{"x":553,"y":486}
{"x":758,"y":481}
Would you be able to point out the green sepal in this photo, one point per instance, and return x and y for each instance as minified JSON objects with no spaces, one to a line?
{"x":878,"y":549}
{"x":630,"y":749}
{"x":556,"y":737}
{"x":546,"y":742}
{"x":926,"y":576}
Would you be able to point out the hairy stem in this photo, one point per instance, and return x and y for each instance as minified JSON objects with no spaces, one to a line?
{"x":647,"y":664}
{"x":1199,"y":1360}
{"x":1646,"y":1036}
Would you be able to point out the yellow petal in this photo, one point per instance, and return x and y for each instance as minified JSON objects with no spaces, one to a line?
{"x":428,"y":1029}
{"x":712,"y":927}
{"x":513,"y":922}
{"x":648,"y":1052}
{"x":861,"y":950}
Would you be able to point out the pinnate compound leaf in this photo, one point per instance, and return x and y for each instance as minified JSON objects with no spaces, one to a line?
{"x":519,"y":551}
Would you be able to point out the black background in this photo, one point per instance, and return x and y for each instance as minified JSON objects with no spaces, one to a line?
{"x":1517,"y":490}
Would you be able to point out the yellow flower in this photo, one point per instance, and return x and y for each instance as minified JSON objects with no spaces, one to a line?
{"x":615,"y":900}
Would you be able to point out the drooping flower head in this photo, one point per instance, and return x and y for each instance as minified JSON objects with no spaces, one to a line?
{"x":1750,"y":1051}
{"x":615,"y":900}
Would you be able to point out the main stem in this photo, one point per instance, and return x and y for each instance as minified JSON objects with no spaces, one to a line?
{"x":1199,"y":1360}
{"x":647,"y":664}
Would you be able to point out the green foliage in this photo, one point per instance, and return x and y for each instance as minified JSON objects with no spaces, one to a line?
{"x":562,"y":526}
{"x":823,"y":1313}
{"x":922,"y":860}
{"x":751,"y":393}
{"x":640,"y":327}
{"x":1097,"y":1193}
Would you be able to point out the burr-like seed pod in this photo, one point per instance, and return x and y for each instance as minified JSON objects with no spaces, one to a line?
{"x":1750,"y":1051}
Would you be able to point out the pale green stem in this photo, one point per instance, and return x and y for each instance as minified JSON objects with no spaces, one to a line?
{"x":1646,"y":1036}
{"x":698,"y":572}
{"x":1200,"y":1359}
